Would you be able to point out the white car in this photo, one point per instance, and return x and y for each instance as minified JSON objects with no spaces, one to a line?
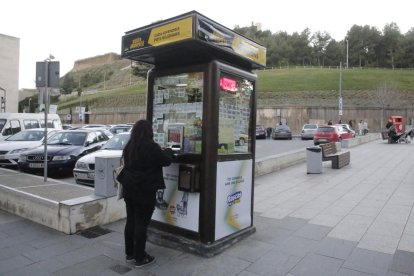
{"x":346,"y":129}
{"x":12,"y":147}
{"x":84,"y":171}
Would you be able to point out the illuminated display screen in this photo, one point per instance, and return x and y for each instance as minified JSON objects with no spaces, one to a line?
{"x":228,"y":84}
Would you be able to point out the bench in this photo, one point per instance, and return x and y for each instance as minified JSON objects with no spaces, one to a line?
{"x":339,"y":158}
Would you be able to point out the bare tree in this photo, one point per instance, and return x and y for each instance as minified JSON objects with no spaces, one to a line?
{"x":387,"y":95}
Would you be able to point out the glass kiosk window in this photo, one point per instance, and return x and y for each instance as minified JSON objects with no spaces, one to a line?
{"x":235,"y":101}
{"x":178,"y":111}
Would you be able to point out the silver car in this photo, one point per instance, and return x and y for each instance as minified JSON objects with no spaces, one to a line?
{"x":84,"y":171}
{"x":308,"y":130}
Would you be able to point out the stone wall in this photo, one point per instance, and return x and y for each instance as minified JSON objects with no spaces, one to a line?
{"x":295,"y":117}
{"x":95,"y":61}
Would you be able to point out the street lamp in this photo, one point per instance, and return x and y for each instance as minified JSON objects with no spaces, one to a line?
{"x":3,"y":100}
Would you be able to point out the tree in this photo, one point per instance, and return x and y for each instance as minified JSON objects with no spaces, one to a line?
{"x":68,"y":84}
{"x":405,"y":56}
{"x":391,"y":41}
{"x":386,"y":96}
{"x":301,"y":50}
{"x":363,"y":43}
{"x":320,"y":41}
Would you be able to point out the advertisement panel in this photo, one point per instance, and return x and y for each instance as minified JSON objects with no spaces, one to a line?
{"x":175,"y":207}
{"x":233,"y":197}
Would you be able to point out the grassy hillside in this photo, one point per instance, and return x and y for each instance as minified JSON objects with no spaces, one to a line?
{"x":321,"y":79}
{"x":295,"y":86}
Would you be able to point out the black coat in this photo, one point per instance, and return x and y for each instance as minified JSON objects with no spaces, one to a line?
{"x":145,"y":175}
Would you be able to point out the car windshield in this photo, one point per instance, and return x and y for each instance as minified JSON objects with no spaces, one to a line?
{"x":259,"y":127}
{"x":118,"y":142}
{"x":282,"y":127}
{"x":325,"y":129}
{"x":2,"y":123}
{"x":310,"y":127}
{"x":68,"y":138}
{"x":31,"y":135}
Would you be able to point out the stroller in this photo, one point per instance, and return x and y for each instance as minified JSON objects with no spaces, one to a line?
{"x":394,"y":137}
{"x":407,"y":136}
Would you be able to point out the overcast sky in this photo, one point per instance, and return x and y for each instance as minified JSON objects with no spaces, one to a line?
{"x":73,"y":30}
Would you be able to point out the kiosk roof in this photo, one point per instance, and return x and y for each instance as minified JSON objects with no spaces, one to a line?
{"x":191,"y":38}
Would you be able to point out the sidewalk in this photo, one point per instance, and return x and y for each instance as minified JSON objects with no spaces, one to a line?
{"x":358,"y":220}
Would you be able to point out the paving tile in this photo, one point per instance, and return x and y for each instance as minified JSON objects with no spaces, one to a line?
{"x":335,"y":248}
{"x":395,"y":213}
{"x":42,"y":268}
{"x":351,"y":228}
{"x":406,"y":243}
{"x":306,"y":213}
{"x":272,"y":235}
{"x":380,"y":243}
{"x":386,"y":228}
{"x":368,"y":261}
{"x":350,"y":272}
{"x":187,"y":264}
{"x":15,"y":250}
{"x":326,"y":220}
{"x":275,"y":263}
{"x":292,"y":223}
{"x":247,"y":273}
{"x":395,"y":273}
{"x":297,"y":246}
{"x":313,"y":232}
{"x":93,"y":266}
{"x":403,"y":262}
{"x":317,"y":265}
{"x":11,"y":264}
{"x":52,"y":251}
{"x":249,"y":249}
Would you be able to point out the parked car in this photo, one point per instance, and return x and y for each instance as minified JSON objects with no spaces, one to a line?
{"x":260,"y":132}
{"x":12,"y":147}
{"x":67,"y":126}
{"x":84,"y":171}
{"x":120,"y":128}
{"x":64,"y":148}
{"x":308,"y":130}
{"x":346,"y":131}
{"x":282,"y":132}
{"x":326,"y":134}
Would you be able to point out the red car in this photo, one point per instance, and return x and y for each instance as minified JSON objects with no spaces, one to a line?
{"x":326,"y":134}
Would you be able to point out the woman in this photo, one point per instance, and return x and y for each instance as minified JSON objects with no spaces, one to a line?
{"x":143,"y":160}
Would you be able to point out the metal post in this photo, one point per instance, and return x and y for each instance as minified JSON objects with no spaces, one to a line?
{"x":340,"y":90}
{"x":3,"y":100}
{"x":347,"y":54}
{"x":46,"y":100}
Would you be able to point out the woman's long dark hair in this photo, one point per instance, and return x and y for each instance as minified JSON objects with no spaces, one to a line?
{"x":141,"y":134}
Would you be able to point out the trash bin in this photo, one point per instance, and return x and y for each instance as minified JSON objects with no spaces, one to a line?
{"x":314,"y":159}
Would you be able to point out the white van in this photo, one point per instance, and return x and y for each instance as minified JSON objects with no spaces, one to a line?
{"x":11,"y":123}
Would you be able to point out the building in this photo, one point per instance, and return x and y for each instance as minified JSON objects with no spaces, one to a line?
{"x":9,"y":73}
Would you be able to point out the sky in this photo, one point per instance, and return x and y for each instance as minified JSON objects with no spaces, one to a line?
{"x":73,"y":30}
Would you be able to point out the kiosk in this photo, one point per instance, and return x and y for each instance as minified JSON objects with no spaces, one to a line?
{"x":202,"y":103}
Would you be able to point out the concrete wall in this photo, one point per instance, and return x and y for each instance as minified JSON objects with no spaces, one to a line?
{"x":297,"y":116}
{"x":9,"y":71}
{"x":269,"y":117}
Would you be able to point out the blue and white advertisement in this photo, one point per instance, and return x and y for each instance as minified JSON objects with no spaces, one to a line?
{"x":233,"y":197}
{"x":175,"y":207}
